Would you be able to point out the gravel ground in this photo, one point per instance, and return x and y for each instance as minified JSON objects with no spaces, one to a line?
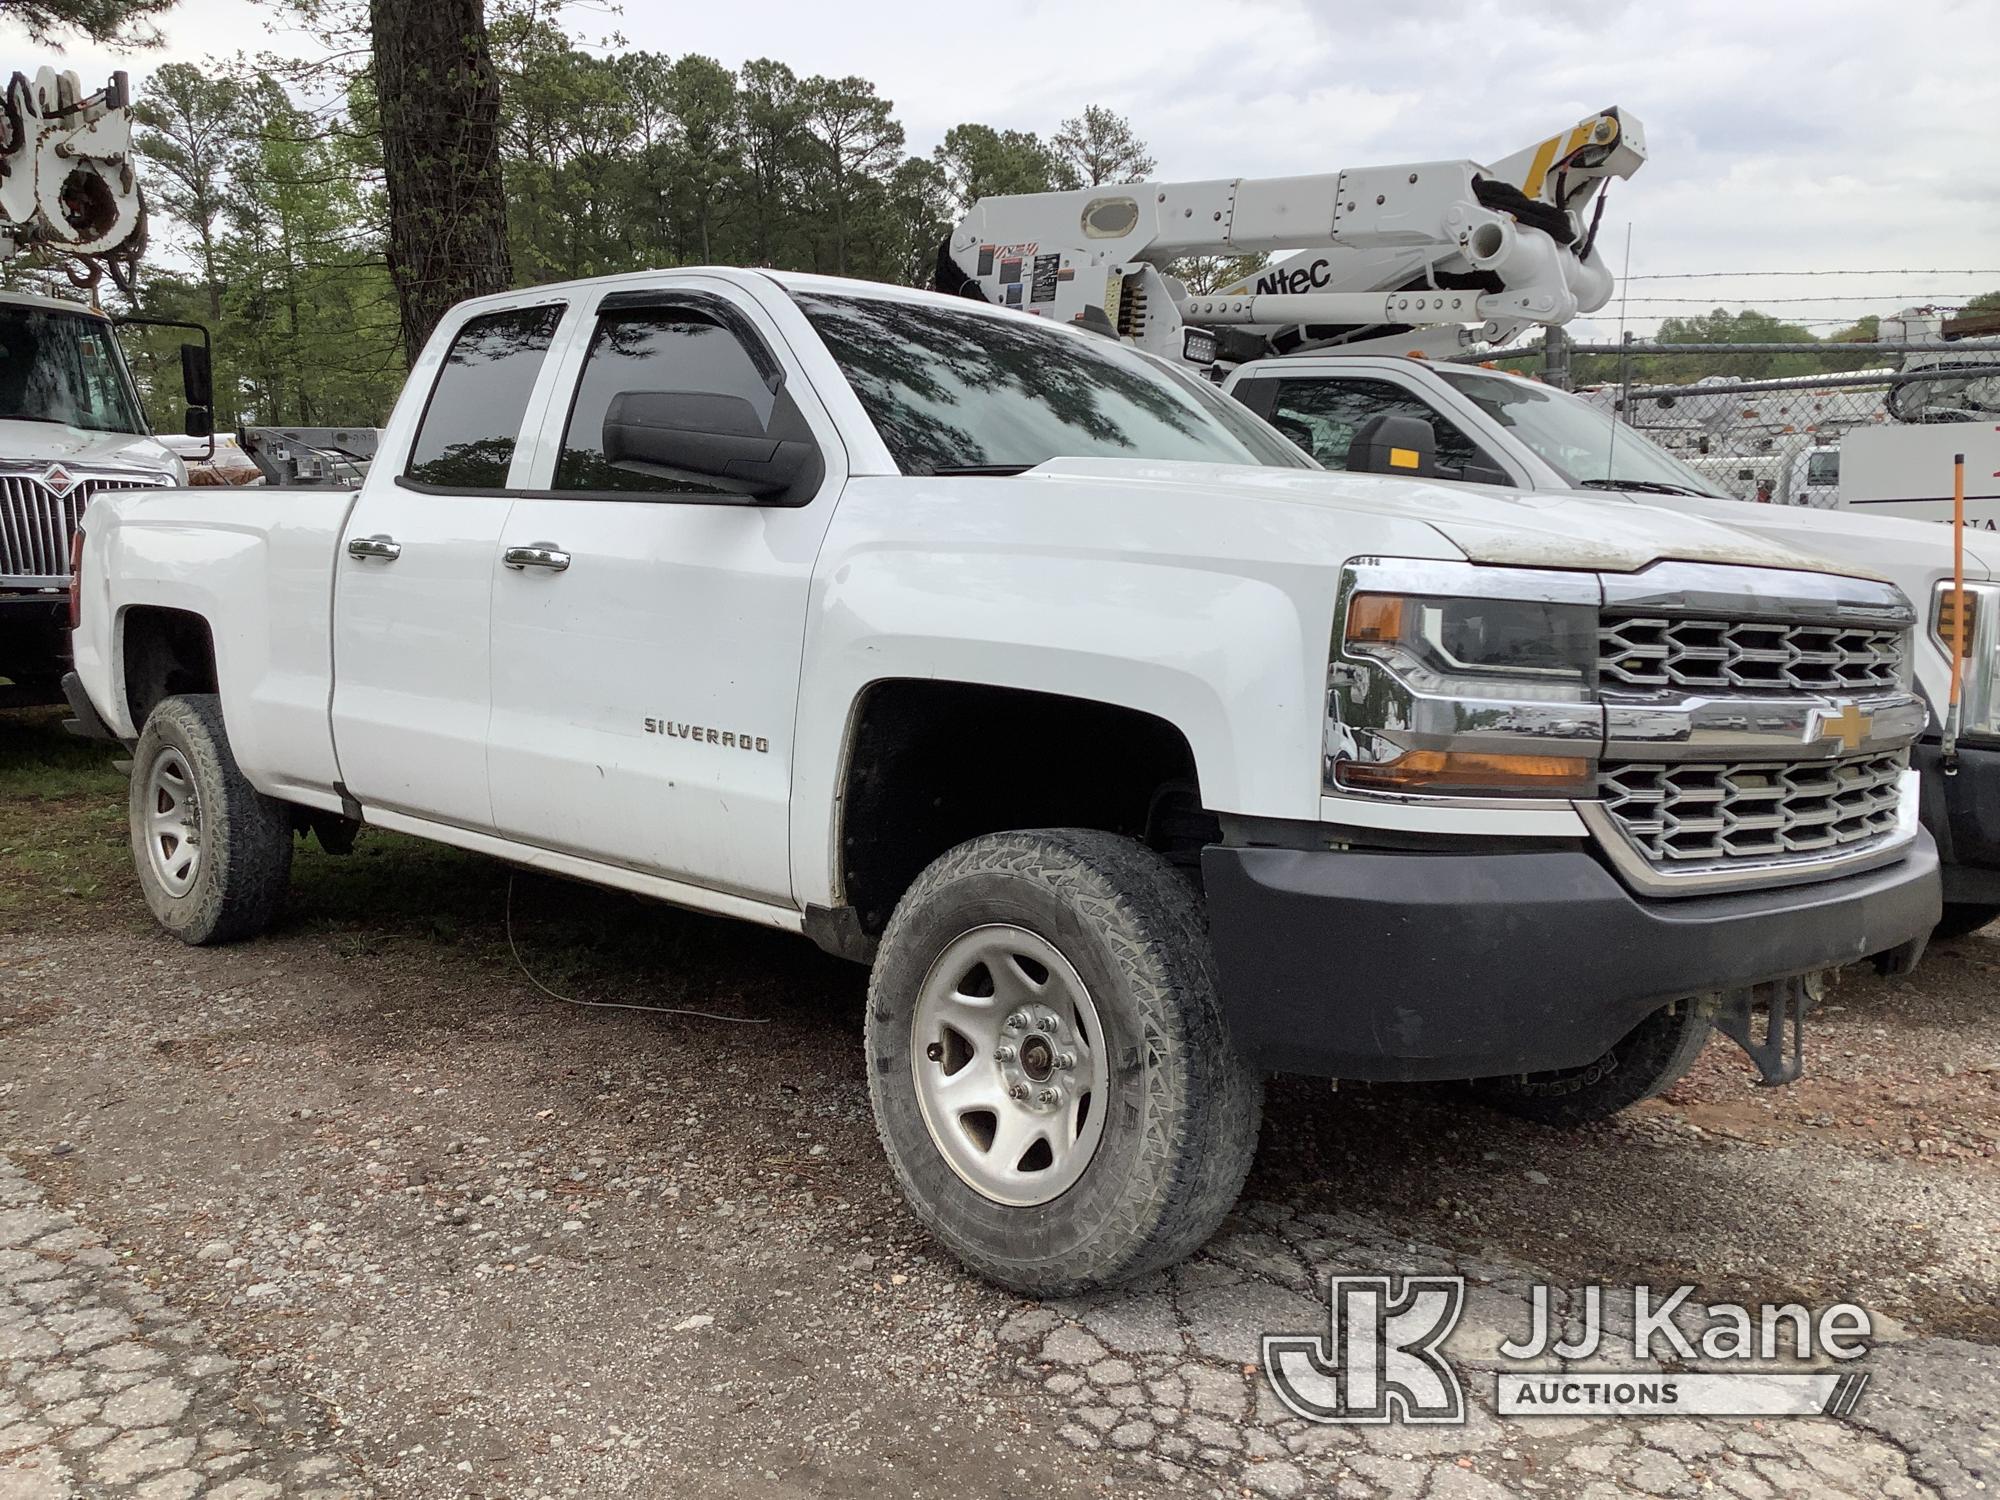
{"x":357,"y":1210}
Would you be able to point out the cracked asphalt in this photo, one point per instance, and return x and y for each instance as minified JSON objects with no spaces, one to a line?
{"x":355,"y":1210}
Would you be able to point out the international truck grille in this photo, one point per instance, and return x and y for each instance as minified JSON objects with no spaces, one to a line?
{"x":1683,"y":813}
{"x":1747,"y":656}
{"x":36,"y":523}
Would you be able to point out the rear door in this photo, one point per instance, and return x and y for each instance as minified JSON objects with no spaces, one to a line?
{"x":414,"y":580}
{"x":648,"y":625}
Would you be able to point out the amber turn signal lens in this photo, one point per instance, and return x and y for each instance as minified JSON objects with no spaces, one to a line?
{"x":1375,"y":619}
{"x":1466,"y":771}
{"x":1953,"y":630}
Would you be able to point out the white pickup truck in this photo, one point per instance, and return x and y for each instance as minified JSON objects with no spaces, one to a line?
{"x":1138,"y":755}
{"x":1488,"y":426}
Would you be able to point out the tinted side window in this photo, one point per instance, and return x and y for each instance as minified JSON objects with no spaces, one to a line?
{"x":466,"y":438}
{"x":652,"y":350}
{"x":1322,"y":416}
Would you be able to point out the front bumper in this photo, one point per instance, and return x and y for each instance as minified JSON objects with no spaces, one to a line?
{"x":1962,"y":812}
{"x":1415,"y":966}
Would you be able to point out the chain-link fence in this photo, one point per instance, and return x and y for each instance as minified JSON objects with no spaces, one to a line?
{"x":1767,"y":419}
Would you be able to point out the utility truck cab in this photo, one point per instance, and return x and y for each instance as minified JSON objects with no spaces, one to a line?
{"x":71,"y":427}
{"x":1138,"y":755}
{"x":1488,"y":426}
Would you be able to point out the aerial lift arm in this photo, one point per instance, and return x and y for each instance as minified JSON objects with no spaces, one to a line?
{"x":1379,"y":251}
{"x":66,"y":178}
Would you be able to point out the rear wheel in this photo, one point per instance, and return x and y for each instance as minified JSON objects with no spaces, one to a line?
{"x":1048,"y":1063}
{"x":213,"y":854}
{"x":1650,"y":1058}
{"x":1962,"y":918}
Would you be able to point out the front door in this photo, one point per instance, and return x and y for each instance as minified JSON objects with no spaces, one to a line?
{"x":414,"y":581}
{"x":648,"y":624}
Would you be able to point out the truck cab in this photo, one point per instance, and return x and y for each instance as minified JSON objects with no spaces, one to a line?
{"x":71,"y":427}
{"x":1494,"y":427}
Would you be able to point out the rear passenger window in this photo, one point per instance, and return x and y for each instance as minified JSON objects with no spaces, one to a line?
{"x":466,"y":438}
{"x":652,"y":350}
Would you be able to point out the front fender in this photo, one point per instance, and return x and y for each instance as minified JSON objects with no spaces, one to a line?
{"x":1227,"y":643}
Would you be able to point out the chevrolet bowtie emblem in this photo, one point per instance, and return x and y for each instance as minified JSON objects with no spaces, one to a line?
{"x":1850,"y":726}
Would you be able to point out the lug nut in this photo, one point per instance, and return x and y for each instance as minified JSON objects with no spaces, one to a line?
{"x":1066,"y":1061}
{"x":1003,"y":1054}
{"x":1017,"y":1022}
{"x":1018,"y":1091}
{"x":1046,"y":1096}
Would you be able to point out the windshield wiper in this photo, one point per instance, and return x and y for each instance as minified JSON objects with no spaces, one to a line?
{"x":1644,"y":487}
{"x":960,"y":471}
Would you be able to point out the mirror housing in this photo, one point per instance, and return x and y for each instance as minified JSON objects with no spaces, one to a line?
{"x":1393,"y":443}
{"x":197,"y":378}
{"x":716,"y":438}
{"x":199,"y":422}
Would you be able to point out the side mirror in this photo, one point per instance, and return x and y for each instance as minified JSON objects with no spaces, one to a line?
{"x":718,"y":438}
{"x":199,"y":422}
{"x":197,"y":378}
{"x":1393,"y":443}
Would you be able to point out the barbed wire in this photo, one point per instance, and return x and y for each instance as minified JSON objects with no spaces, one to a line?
{"x":1948,"y":299}
{"x":1875,"y":271}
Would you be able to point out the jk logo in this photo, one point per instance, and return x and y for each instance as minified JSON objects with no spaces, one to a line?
{"x":1378,"y":1360}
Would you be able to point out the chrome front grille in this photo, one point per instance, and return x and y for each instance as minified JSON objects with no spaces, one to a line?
{"x":1685,"y":813}
{"x":1748,"y":656}
{"x":36,"y":523}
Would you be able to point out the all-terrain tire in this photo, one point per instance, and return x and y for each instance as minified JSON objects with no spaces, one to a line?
{"x":1180,"y":1123}
{"x":1963,"y":918}
{"x":1650,"y":1058}
{"x":243,"y":839}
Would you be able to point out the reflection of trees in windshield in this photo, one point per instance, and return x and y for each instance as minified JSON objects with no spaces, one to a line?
{"x":952,"y":389}
{"x":61,"y":367}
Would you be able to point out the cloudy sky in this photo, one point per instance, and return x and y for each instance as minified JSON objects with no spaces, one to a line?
{"x":1835,"y":135}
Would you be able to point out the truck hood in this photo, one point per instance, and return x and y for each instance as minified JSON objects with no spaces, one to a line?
{"x":33,"y":443}
{"x":1486,"y":523}
{"x":1911,"y":554}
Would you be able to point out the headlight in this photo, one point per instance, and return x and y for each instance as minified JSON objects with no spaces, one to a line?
{"x":1450,"y":679}
{"x":1978,"y":637}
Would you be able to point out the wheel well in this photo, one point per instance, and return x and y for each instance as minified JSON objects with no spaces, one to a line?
{"x":167,"y":651}
{"x":931,"y":764}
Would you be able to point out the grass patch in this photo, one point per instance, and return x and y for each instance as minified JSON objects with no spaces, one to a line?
{"x":64,"y":847}
{"x":62,"y":816}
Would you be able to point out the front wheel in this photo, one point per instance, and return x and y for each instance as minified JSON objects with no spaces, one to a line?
{"x":1649,"y":1059}
{"x":1048,"y":1063}
{"x":213,"y":854}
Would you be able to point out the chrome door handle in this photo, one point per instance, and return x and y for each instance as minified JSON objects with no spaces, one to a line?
{"x":385,"y":547}
{"x":537,"y":555}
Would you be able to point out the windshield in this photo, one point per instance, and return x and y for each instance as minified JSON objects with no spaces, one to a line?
{"x":1584,"y":445}
{"x":951,"y":391}
{"x":1823,"y":467}
{"x":63,"y":367}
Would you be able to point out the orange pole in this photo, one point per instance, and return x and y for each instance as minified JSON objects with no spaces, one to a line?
{"x":1957,"y":575}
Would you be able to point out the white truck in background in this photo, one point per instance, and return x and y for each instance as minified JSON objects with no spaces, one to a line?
{"x":1138,"y":755}
{"x":71,"y":423}
{"x":1903,"y":466}
{"x":1397,"y":265}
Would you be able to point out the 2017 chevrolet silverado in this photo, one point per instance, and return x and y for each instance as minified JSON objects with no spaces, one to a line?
{"x":1140,"y":756}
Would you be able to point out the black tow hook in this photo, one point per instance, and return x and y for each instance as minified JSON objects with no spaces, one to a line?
{"x":1779,"y":1052}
